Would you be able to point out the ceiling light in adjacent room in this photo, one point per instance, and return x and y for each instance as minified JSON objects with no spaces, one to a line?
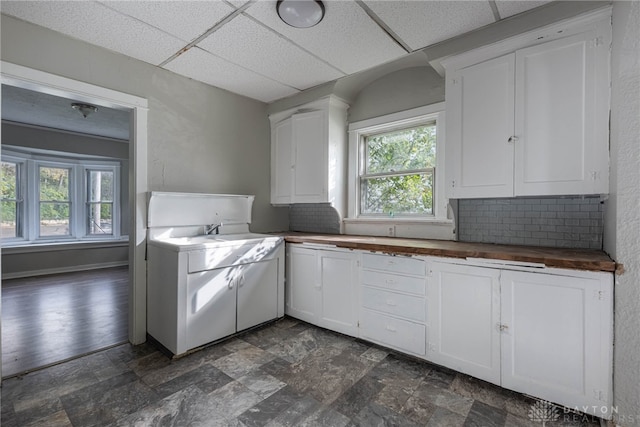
{"x":85,"y":109}
{"x":300,"y":13}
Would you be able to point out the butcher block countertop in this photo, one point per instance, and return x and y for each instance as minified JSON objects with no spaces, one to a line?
{"x":576,"y":259}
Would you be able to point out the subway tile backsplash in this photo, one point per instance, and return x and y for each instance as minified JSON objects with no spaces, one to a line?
{"x":565,"y":222}
{"x":314,"y":218}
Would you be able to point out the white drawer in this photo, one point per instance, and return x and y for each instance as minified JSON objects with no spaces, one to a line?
{"x":216,"y":258}
{"x":412,"y":285}
{"x":394,"y":264}
{"x":391,"y":332}
{"x":407,"y":306}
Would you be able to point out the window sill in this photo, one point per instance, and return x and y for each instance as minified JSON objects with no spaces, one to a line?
{"x":32,"y":247}
{"x":398,"y":220}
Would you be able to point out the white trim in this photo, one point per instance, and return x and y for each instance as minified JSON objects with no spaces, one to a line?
{"x":20,"y":76}
{"x":409,"y":115}
{"x":72,"y":269}
{"x":64,"y":246}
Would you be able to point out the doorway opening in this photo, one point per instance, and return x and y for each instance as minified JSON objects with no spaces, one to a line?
{"x":22,"y":77}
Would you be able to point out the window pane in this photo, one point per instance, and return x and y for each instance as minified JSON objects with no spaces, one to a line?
{"x":9,"y":180}
{"x":9,"y":223}
{"x":54,"y":219}
{"x":10,"y":200}
{"x":100,"y":186}
{"x":100,"y":218}
{"x":54,"y":184}
{"x":406,"y":149}
{"x":398,"y":195}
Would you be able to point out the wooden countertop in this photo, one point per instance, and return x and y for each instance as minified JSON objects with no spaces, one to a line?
{"x":577,"y":259}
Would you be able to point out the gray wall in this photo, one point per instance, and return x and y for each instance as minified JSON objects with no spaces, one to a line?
{"x":398,"y":91}
{"x":200,"y":138}
{"x":622,"y":220}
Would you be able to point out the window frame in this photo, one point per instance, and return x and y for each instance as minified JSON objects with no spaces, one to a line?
{"x":78,"y":197}
{"x":388,"y":123}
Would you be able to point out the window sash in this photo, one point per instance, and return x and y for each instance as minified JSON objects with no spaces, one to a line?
{"x":17,"y":202}
{"x":391,"y":210}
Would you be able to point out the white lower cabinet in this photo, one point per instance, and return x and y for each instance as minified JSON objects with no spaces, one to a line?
{"x":546,"y":334}
{"x":321,"y":287}
{"x":464,"y":313}
{"x":392,"y":302}
{"x":557,"y":338}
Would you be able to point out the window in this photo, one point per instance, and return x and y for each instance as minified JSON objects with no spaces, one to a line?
{"x":398,"y":170}
{"x":67,"y":198}
{"x":395,"y":172}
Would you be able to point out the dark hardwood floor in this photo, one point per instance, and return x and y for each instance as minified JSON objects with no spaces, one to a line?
{"x":49,"y":319}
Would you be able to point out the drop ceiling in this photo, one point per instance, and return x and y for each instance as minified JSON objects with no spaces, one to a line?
{"x":243,"y":46}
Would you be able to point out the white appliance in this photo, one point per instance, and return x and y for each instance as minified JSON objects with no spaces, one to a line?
{"x":203,"y":287}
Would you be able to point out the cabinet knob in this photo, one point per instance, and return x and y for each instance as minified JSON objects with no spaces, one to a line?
{"x":502,"y":327}
{"x":512,"y":138}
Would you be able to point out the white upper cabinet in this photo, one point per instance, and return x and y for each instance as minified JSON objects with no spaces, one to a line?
{"x":308,"y":154}
{"x":530,"y":116}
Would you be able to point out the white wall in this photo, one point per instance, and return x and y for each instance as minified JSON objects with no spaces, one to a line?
{"x":200,"y":138}
{"x":622,"y":215}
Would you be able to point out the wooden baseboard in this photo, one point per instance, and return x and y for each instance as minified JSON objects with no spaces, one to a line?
{"x":69,"y":269}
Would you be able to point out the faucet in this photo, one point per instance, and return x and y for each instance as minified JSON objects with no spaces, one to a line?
{"x":209,"y":229}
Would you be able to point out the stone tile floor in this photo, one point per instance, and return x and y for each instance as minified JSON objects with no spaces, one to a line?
{"x":288,"y":373}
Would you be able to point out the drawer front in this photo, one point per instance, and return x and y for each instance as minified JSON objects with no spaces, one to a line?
{"x":215,"y":258}
{"x":412,"y":285}
{"x":401,"y":305}
{"x":395,"y":333}
{"x":395,"y":264}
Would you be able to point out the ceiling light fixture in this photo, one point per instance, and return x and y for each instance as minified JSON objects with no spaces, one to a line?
{"x":84,"y":109}
{"x":300,"y":13}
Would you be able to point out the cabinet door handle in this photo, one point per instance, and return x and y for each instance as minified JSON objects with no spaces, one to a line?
{"x":241,"y":281}
{"x":502,"y":327}
{"x":512,"y":138}
{"x":231,"y":283}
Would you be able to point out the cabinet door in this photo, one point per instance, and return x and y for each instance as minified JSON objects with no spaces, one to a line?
{"x":338,"y":278}
{"x":464,"y":314}
{"x":211,"y":306}
{"x":282,"y":162}
{"x":257,"y":293}
{"x":303,"y":284}
{"x":559,"y":148}
{"x":310,"y":170}
{"x":556,"y":339}
{"x":480,"y":121}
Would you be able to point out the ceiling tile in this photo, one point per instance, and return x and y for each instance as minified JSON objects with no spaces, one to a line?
{"x":346,"y":38}
{"x":510,"y":8}
{"x":183,"y":19}
{"x":422,"y":23}
{"x":96,"y":24}
{"x":205,"y":67}
{"x":249,"y":44}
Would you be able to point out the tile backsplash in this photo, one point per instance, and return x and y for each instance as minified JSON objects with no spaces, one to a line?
{"x":314,"y":218}
{"x":566,"y":222}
